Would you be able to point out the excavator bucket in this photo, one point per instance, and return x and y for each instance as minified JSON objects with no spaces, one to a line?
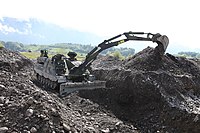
{"x":162,"y":42}
{"x":165,"y":41}
{"x":67,"y":88}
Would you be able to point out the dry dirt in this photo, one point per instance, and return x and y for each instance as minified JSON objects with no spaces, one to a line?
{"x":26,"y":108}
{"x":145,"y":93}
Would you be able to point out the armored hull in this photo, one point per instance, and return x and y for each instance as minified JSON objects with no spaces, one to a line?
{"x":54,"y":74}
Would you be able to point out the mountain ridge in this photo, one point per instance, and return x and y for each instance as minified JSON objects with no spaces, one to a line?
{"x":34,"y":31}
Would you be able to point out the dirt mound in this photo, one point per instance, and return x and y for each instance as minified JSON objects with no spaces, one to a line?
{"x":26,"y":108}
{"x":145,"y":93}
{"x":12,"y":61}
{"x":157,"y":94}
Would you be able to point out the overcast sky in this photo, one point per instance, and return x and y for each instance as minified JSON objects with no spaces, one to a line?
{"x":178,"y":19}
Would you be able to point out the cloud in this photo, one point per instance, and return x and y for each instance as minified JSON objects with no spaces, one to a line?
{"x":177,"y":19}
{"x":5,"y":29}
{"x":1,"y":19}
{"x":39,"y":35}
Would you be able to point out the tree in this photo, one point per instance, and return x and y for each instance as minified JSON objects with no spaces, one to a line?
{"x":1,"y":45}
{"x":198,"y":56}
{"x":188,"y":54}
{"x":117,"y":54}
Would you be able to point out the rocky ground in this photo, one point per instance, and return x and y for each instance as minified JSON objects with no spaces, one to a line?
{"x":27,"y":108}
{"x":145,"y":93}
{"x":154,"y":94}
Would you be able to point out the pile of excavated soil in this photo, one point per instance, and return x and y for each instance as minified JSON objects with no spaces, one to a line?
{"x":27,"y":108}
{"x":155,"y":94}
{"x":145,"y":93}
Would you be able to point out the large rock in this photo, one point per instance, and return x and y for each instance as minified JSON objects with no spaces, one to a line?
{"x":3,"y":129}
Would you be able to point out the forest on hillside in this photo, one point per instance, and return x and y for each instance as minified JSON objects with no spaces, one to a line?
{"x":63,"y":48}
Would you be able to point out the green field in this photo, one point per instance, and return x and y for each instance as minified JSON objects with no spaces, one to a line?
{"x":1,"y":45}
{"x":32,"y":51}
{"x":34,"y":55}
{"x":31,"y":55}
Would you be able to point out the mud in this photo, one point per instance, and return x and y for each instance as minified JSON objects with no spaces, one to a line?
{"x":145,"y":93}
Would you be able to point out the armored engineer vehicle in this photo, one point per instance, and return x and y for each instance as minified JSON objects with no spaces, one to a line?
{"x":69,"y":76}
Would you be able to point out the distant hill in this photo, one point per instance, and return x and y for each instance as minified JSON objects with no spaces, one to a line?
{"x":62,"y":48}
{"x":15,"y":46}
{"x":34,"y":31}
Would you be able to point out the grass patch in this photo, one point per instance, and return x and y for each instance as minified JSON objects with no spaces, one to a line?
{"x":34,"y":55}
{"x":1,"y":45}
{"x":31,"y":55}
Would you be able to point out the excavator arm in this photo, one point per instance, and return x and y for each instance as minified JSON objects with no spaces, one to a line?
{"x":161,"y":40}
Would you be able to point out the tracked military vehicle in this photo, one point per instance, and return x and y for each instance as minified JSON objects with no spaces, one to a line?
{"x":69,"y":76}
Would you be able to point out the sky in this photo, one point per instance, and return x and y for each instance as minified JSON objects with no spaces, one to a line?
{"x":178,"y":19}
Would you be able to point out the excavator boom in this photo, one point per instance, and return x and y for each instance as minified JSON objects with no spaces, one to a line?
{"x":70,"y":76}
{"x":161,"y":40}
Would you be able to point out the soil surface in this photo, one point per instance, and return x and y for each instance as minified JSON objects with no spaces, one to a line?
{"x":155,"y":94}
{"x":25,"y":107}
{"x":146,"y":93}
